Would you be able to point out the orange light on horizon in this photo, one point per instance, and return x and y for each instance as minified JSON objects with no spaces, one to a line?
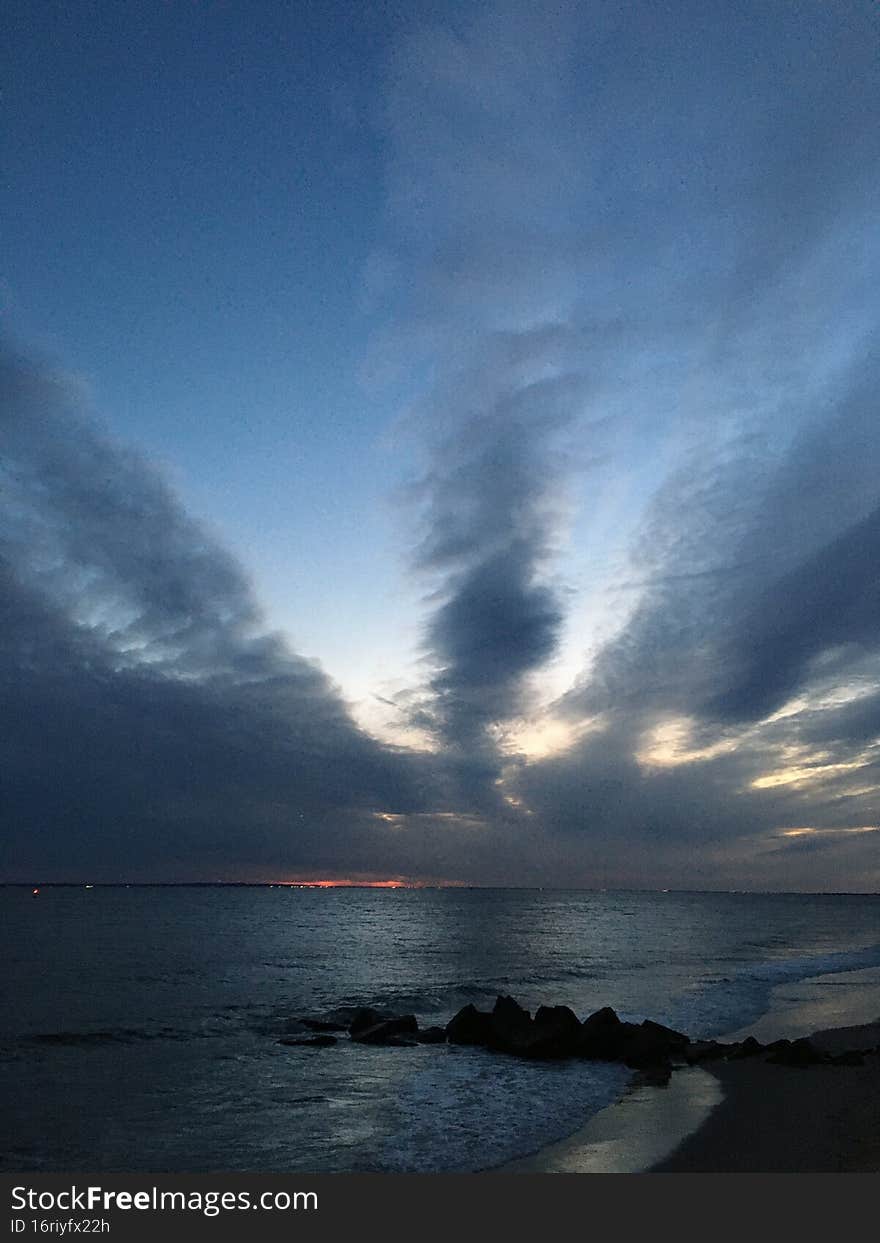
{"x":395,"y":882}
{"x":346,"y":883}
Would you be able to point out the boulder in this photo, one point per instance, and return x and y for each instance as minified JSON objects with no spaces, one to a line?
{"x":510,"y":1026}
{"x":470,"y":1026}
{"x":364,"y":1017}
{"x":674,"y":1039}
{"x":388,"y":1031}
{"x":293,"y":1027}
{"x":319,"y":1041}
{"x":432,"y":1035}
{"x":643,"y":1047}
{"x":603,"y":1036}
{"x":777,"y":1046}
{"x":601,"y":1021}
{"x":652,"y":1044}
{"x":336,"y":1020}
{"x":749,"y":1047}
{"x":705,"y":1051}
{"x":556,"y":1032}
{"x":799,"y":1053}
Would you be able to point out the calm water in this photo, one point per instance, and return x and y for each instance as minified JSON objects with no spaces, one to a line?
{"x":140,"y":1026}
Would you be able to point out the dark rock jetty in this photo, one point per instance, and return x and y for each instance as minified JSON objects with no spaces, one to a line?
{"x":556,"y":1032}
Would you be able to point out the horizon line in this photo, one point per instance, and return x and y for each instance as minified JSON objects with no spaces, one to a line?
{"x":405,"y":885}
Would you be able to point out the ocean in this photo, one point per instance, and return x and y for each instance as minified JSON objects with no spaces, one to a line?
{"x":139,"y":1026}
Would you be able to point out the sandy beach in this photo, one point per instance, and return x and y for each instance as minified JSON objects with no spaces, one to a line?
{"x":750,"y":1116}
{"x":782,"y":1119}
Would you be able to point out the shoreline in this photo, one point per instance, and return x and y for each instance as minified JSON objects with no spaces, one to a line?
{"x":748,"y":1115}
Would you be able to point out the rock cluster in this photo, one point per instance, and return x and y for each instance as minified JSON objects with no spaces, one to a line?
{"x":556,"y":1032}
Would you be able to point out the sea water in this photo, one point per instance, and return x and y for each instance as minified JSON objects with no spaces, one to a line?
{"x":140,"y":1026}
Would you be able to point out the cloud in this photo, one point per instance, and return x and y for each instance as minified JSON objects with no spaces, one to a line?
{"x":491,"y":506}
{"x":618,"y":259}
{"x":477,"y":228}
{"x":658,"y":224}
{"x":153,"y":725}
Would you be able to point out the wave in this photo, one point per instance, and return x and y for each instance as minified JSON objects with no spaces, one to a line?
{"x":726,"y":1003}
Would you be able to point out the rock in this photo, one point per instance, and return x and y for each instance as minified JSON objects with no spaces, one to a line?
{"x":674,"y":1039}
{"x":705,"y":1051}
{"x":652,"y":1044}
{"x":388,"y":1031}
{"x":799,"y":1053}
{"x":603,"y":1036}
{"x":336,"y":1020}
{"x":324,"y":1025}
{"x":777,"y":1046}
{"x":293,"y":1027}
{"x":320,"y":1041}
{"x":470,"y":1026}
{"x":364,"y":1017}
{"x":749,"y":1047}
{"x":601,"y":1021}
{"x":510,"y":1026}
{"x":432,"y":1035}
{"x":642,"y":1047}
{"x":556,"y":1032}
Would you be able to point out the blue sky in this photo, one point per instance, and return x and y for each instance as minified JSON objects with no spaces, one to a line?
{"x":514,"y":363}
{"x":192,"y":198}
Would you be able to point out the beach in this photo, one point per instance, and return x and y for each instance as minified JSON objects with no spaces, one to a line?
{"x":784,"y":1119}
{"x":750,"y":1116}
{"x":776,"y":1119}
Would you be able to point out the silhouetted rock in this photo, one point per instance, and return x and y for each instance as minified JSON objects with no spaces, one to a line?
{"x":749,"y":1047}
{"x":337,"y":1020}
{"x":470,"y":1026}
{"x":320,"y":1041}
{"x":603,"y":1036}
{"x":601,"y":1021}
{"x":364,"y":1017}
{"x":432,"y":1035}
{"x":556,"y":1032}
{"x":799,"y":1053}
{"x":510,"y":1026}
{"x":294,"y":1027}
{"x":389,"y":1031}
{"x":673,"y":1038}
{"x":705,"y":1051}
{"x":649,"y":1045}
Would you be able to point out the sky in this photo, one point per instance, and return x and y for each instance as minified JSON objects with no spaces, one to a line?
{"x":439,"y":443}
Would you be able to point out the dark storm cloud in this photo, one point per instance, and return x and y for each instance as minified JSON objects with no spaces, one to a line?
{"x":832,"y":599}
{"x":151,"y":724}
{"x":477,"y":210}
{"x":491,"y":504}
